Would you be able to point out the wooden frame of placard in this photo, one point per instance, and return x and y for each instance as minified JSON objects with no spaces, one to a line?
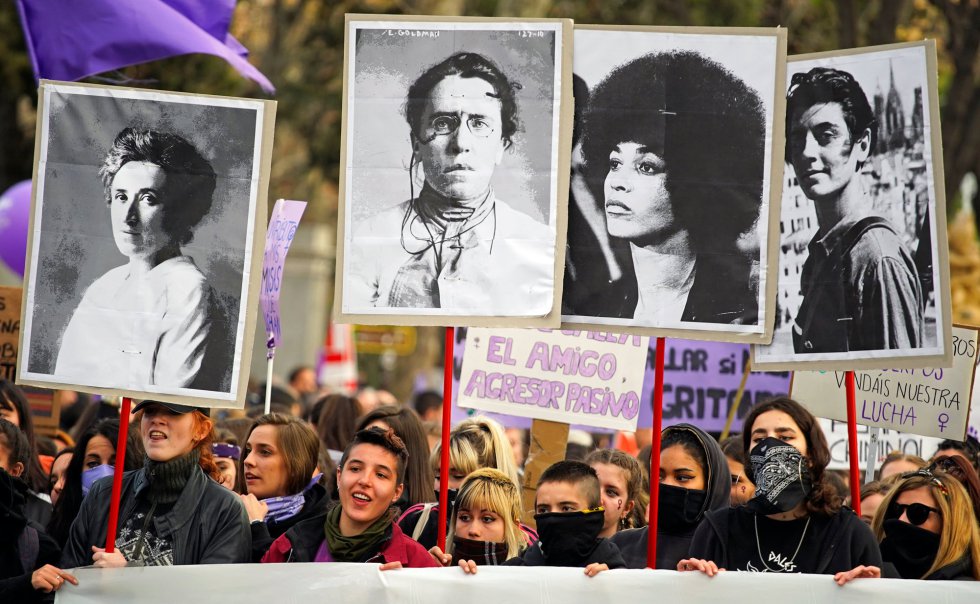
{"x":774,"y":182}
{"x":392,"y":316}
{"x":884,"y":360}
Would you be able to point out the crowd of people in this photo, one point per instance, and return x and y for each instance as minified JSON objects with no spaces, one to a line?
{"x":355,"y":479}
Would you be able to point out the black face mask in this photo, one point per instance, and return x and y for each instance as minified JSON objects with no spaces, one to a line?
{"x":679,"y":510}
{"x":484,"y":553}
{"x":781,"y":475}
{"x":567,"y":538}
{"x":910,"y":548}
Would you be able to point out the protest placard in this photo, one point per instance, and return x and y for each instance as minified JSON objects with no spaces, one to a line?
{"x":888,"y":441}
{"x":9,"y":331}
{"x":930,"y":402}
{"x":574,"y":377}
{"x":282,"y":228}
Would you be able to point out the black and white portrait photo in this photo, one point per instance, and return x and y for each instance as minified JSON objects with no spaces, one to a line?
{"x":860,"y":267}
{"x":669,"y":204}
{"x":452,"y":181}
{"x":142,"y":242}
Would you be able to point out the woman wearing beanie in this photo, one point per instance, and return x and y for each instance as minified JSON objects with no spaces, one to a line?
{"x":172,"y":511}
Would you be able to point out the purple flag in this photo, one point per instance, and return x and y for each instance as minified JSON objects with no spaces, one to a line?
{"x":70,"y":39}
{"x":282,"y":229}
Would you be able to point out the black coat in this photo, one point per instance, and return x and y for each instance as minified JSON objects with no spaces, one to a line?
{"x":605,"y":552}
{"x":264,"y":533}
{"x":207,"y":524}
{"x":24,"y":546}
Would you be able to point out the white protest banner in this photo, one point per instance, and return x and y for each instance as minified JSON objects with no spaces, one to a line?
{"x":931,"y":402}
{"x":345,"y":583}
{"x":888,"y":441}
{"x":569,"y":376}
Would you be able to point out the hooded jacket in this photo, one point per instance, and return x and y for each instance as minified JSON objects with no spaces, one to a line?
{"x":673,"y":543}
{"x":207,"y":524}
{"x":24,"y":547}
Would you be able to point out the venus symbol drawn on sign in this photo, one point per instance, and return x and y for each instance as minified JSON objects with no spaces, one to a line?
{"x":943,"y":420}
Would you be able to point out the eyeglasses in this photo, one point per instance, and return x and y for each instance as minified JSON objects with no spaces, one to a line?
{"x":917,"y":513}
{"x":944,"y":463}
{"x":444,"y":125}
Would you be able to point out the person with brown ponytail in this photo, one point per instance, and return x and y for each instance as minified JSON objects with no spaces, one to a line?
{"x":172,"y":511}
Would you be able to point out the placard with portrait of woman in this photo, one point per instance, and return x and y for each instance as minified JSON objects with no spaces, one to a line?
{"x":675,"y":181}
{"x":145,"y":243}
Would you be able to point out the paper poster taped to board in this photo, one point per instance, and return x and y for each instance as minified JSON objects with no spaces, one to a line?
{"x":864,"y":268}
{"x":574,"y":377}
{"x":927,"y":401}
{"x":145,"y":243}
{"x":673,"y":215}
{"x":455,"y":146}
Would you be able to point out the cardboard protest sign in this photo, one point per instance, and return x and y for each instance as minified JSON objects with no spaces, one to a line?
{"x":670,"y":234}
{"x":282,"y":228}
{"x":453,"y":189}
{"x":864,"y":268}
{"x":10,"y":298}
{"x":930,"y":402}
{"x":145,"y":243}
{"x":45,"y":409}
{"x":888,"y":441}
{"x":574,"y":377}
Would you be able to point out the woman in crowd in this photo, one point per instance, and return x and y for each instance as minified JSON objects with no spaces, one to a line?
{"x":794,"y":523}
{"x":59,"y":469}
{"x":694,"y":481}
{"x":278,"y":468}
{"x":172,"y":511}
{"x":927,"y":530}
{"x":897,"y":462}
{"x":742,"y":487}
{"x":227,"y":454}
{"x":96,"y":458}
{"x":361,"y":528}
{"x":337,"y":423}
{"x":485,"y":528}
{"x":477,"y":442}
{"x":408,"y":428}
{"x":685,"y":209}
{"x":960,"y":468}
{"x":27,"y":554}
{"x":620,"y":482}
{"x":15,"y":409}
{"x":872,"y":494}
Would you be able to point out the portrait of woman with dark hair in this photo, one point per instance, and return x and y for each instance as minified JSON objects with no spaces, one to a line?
{"x":674,"y":150}
{"x":151,"y":317}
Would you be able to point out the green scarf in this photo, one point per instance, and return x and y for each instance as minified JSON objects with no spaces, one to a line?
{"x":356,"y":548}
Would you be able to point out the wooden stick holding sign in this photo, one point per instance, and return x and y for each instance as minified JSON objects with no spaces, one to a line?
{"x":548,"y":442}
{"x":733,"y":411}
{"x":658,"y":420}
{"x":117,"y":475}
{"x":852,"y":443}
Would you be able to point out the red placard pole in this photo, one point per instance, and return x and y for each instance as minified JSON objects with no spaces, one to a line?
{"x":117,"y":476}
{"x":852,"y":442}
{"x":658,"y":418}
{"x":447,"y":419}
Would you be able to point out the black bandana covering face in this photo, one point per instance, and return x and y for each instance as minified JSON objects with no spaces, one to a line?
{"x":782,"y":477}
{"x":484,"y":553}
{"x":569,"y":536}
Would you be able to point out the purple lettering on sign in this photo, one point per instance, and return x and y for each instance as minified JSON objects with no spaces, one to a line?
{"x":282,"y":229}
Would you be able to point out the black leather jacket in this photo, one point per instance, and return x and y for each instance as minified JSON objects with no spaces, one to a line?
{"x":207,"y":524}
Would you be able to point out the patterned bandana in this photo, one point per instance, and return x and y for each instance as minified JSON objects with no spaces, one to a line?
{"x":782,"y":477}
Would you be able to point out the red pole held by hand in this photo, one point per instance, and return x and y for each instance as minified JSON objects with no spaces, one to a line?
{"x":117,"y":475}
{"x":658,"y":418}
{"x":852,"y":442}
{"x":447,"y":420}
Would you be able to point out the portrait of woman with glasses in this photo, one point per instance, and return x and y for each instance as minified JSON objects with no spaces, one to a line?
{"x":454,"y":244}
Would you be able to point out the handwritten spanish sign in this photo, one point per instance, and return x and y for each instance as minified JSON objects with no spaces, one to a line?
{"x":929,"y":402}
{"x":888,"y":441}
{"x":9,"y":331}
{"x":282,"y":229}
{"x":574,"y":377}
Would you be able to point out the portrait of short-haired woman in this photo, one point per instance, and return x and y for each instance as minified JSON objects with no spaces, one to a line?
{"x":674,"y":153}
{"x":151,"y":317}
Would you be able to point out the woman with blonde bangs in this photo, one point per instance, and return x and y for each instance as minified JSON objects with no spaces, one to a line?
{"x":485,"y":528}
{"x":172,"y":511}
{"x":927,"y":529}
{"x":476,"y":443}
